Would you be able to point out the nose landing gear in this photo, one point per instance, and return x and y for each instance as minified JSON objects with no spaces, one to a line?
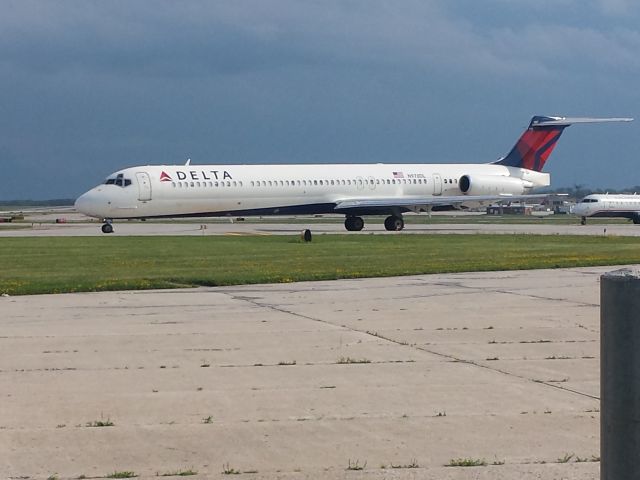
{"x":107,"y":227}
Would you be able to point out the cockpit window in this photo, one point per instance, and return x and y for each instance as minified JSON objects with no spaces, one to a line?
{"x":119,"y":180}
{"x":589,"y":200}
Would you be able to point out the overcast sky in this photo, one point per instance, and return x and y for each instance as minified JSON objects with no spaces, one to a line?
{"x":89,"y":87}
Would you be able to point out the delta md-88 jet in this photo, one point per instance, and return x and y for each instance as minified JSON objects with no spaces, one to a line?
{"x":355,"y":190}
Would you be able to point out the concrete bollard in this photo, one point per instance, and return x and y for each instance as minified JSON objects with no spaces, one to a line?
{"x":620,"y":374}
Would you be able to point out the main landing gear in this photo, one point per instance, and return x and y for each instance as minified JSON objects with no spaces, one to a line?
{"x":583,"y":221}
{"x":393,"y":223}
{"x":107,"y":227}
{"x":353,"y":224}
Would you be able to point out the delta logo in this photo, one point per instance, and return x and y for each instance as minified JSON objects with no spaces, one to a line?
{"x":197,"y":175}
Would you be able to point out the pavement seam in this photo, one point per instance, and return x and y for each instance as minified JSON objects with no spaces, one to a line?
{"x":413,"y":346}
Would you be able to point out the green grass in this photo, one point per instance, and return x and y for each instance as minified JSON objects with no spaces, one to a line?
{"x":179,"y":473}
{"x":467,"y":462}
{"x":123,"y":474}
{"x":100,"y":423}
{"x":36,"y":265}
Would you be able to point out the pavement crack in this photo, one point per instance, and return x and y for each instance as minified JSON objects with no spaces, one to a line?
{"x":401,"y":343}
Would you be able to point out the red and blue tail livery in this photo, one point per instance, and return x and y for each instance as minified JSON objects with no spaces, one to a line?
{"x":538,"y":141}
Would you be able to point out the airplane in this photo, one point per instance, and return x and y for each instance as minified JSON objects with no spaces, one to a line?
{"x":597,"y":205}
{"x":355,"y":190}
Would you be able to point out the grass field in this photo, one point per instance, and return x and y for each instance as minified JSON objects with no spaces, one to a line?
{"x":74,"y":264}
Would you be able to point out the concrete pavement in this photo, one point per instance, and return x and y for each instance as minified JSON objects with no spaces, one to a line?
{"x":400,"y":376}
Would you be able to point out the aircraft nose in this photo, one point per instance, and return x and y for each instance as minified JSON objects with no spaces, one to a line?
{"x":88,"y":204}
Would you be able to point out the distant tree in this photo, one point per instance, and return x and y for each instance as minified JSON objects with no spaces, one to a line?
{"x":56,"y":202}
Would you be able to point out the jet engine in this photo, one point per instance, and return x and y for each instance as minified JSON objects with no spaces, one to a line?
{"x":493,"y":185}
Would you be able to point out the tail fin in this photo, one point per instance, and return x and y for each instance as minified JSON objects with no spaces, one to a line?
{"x":537,"y":142}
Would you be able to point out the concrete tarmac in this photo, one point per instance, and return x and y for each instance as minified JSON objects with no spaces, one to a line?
{"x":397,"y":376}
{"x":208,"y":227}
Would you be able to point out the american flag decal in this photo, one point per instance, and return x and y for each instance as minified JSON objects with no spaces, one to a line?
{"x":398,"y":175}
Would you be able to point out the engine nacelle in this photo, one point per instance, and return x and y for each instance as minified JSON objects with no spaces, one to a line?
{"x":492,"y":185}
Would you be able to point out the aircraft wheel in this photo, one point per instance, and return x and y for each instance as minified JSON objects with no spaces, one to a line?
{"x":353,"y":224}
{"x":583,"y":221}
{"x":393,"y":223}
{"x":636,"y":220}
{"x":107,"y":228}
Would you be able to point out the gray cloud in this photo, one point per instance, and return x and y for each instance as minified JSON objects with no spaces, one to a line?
{"x":88,"y":87}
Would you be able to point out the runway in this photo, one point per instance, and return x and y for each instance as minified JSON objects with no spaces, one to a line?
{"x":208,"y":228}
{"x":397,"y":376}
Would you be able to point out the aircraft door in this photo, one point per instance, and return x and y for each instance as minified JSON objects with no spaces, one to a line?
{"x":144,"y":186}
{"x":359,"y":183}
{"x":372,"y":183}
{"x":437,"y":184}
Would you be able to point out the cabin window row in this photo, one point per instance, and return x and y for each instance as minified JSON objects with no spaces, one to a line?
{"x":305,"y":183}
{"x":228,"y":183}
{"x":310,"y":183}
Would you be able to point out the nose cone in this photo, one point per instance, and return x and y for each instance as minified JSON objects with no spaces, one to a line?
{"x":89,"y":204}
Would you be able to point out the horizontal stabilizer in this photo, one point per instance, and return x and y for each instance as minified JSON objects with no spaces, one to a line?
{"x":541,"y":121}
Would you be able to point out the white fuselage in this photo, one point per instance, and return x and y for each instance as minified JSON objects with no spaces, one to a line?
{"x":598,"y":205}
{"x":215,"y":190}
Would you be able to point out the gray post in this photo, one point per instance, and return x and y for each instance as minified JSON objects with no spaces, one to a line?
{"x":620,"y":375}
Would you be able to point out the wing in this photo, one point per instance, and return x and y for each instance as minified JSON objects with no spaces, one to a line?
{"x":416,"y":202}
